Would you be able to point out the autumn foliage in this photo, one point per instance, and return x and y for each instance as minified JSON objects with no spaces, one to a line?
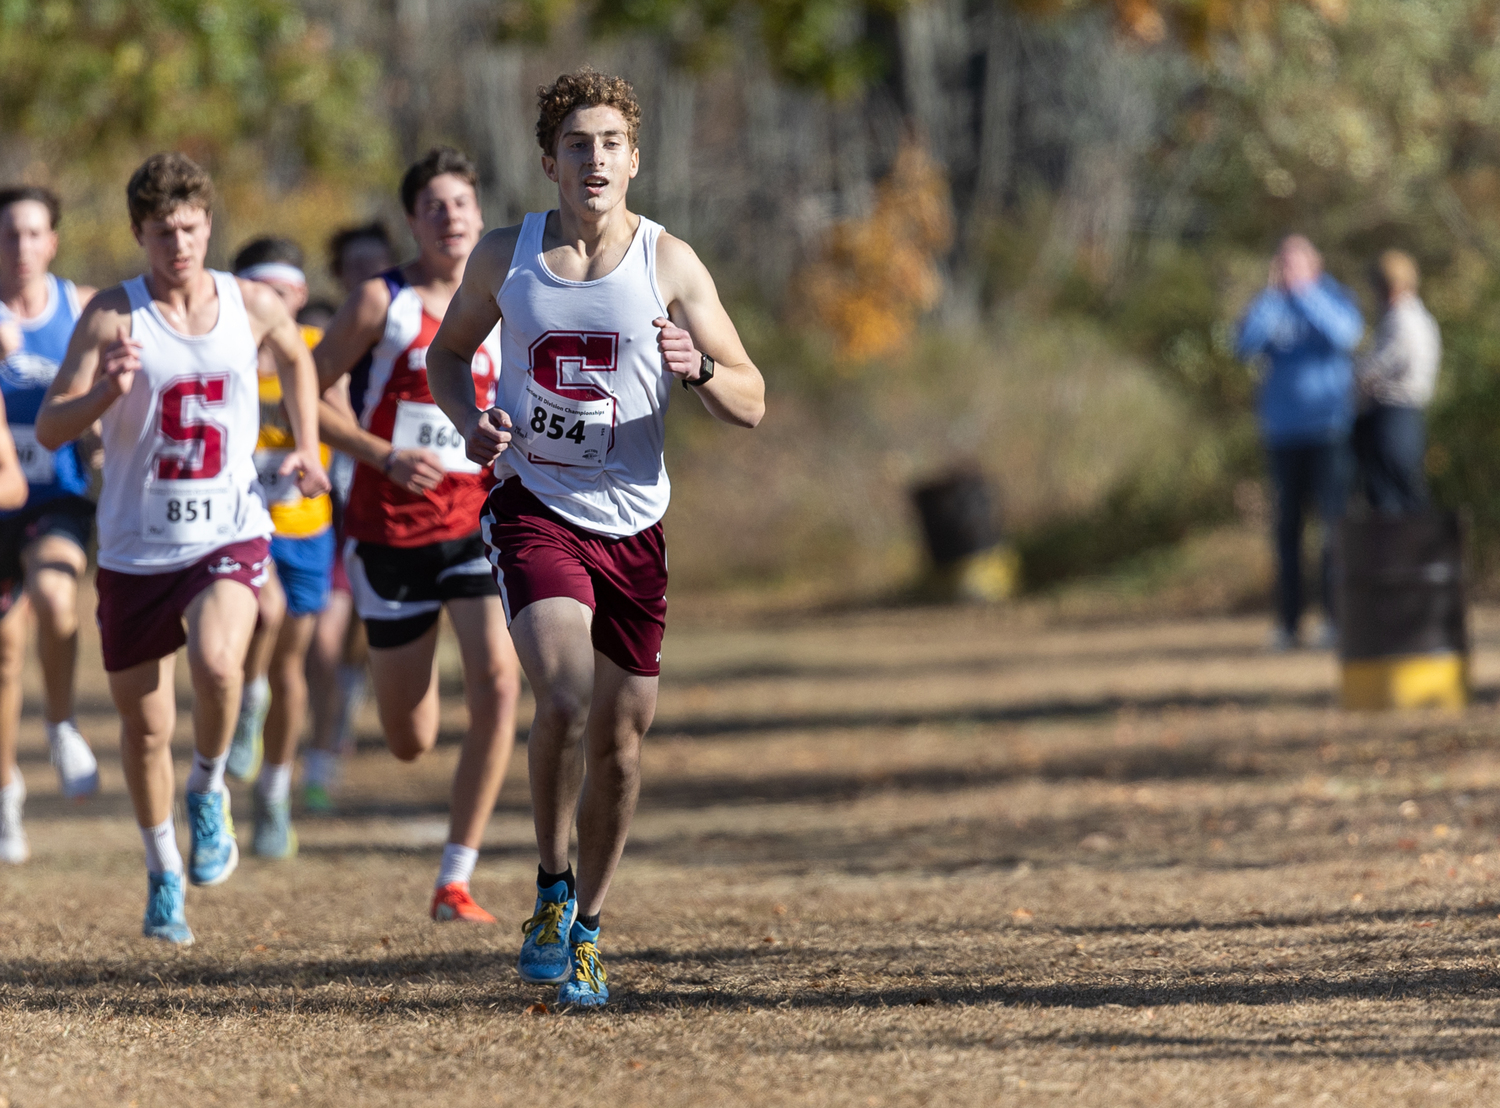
{"x":877,"y":275}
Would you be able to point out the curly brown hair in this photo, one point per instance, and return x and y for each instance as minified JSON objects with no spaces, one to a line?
{"x":164,"y":183}
{"x":585,"y":88}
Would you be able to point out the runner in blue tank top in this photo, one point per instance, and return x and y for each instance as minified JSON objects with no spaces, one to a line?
{"x":43,"y":543}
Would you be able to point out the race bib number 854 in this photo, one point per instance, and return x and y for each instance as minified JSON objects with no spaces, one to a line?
{"x":569,"y":413}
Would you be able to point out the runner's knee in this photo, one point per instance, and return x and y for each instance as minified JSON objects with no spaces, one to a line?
{"x":410,"y":744}
{"x":411,"y":730}
{"x":562,"y":708}
{"x":55,"y":597}
{"x":216,"y":669}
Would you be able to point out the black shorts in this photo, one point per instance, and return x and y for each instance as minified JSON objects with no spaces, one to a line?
{"x":71,"y":517}
{"x":400,"y":590}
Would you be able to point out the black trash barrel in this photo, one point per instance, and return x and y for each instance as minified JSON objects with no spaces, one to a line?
{"x":960,"y":516}
{"x":1403,"y":628}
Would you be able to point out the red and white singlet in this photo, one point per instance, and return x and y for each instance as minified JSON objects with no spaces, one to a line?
{"x":582,"y":379}
{"x":397,"y":406}
{"x":179,"y":447}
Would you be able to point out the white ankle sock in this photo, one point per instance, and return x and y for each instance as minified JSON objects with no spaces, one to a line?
{"x":162,"y":855}
{"x":54,"y":730}
{"x":458,"y":864}
{"x":320,"y":767}
{"x":274,"y":783}
{"x":207,"y":774}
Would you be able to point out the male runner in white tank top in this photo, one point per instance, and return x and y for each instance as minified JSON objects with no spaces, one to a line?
{"x":167,"y":362}
{"x":601,"y":313}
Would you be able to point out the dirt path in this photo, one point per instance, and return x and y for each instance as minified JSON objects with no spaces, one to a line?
{"x":892,"y":858}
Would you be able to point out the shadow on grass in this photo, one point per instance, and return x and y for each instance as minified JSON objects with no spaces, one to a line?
{"x":1079,"y":655}
{"x":484,"y":981}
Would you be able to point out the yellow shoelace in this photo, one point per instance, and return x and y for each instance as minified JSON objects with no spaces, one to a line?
{"x":590,"y":968}
{"x":547,"y":918}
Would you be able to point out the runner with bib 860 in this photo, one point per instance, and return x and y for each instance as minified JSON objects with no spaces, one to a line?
{"x":168,"y":363}
{"x":601,"y":311}
{"x":413,"y":546}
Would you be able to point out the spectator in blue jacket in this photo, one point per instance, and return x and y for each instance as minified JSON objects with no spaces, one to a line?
{"x":1306,"y":325}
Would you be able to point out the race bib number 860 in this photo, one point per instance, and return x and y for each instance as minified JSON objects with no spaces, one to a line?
{"x":425,"y":426}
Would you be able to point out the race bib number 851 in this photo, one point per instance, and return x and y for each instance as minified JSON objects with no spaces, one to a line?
{"x":188,"y":499}
{"x":179,"y":514}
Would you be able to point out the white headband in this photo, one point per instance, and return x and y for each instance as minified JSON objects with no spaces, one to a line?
{"x":274,"y":271}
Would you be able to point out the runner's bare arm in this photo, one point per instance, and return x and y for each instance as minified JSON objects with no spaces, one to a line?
{"x":353,"y":331}
{"x":98,"y":369}
{"x":13,"y":487}
{"x":351,"y":334}
{"x":85,"y":294}
{"x":277,"y":332}
{"x":700,"y":325}
{"x":471,"y":316}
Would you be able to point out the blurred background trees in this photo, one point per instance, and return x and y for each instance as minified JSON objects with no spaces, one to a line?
{"x":1012,"y":233}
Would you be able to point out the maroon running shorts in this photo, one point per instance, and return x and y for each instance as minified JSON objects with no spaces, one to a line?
{"x":140,"y":614}
{"x":538,"y":555}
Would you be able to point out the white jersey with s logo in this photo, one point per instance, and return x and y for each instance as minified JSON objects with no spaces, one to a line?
{"x":179,"y":447}
{"x":581,"y":377}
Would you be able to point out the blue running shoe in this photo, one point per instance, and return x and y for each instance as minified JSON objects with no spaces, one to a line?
{"x":544,"y":954}
{"x":164,"y":915}
{"x":214,"y":852}
{"x":274,"y":836}
{"x":587,"y":985}
{"x":248,"y":745}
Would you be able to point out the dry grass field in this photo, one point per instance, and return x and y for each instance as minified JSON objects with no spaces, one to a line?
{"x":894,"y":857}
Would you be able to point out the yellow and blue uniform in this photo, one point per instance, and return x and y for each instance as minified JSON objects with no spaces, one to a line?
{"x":303,"y":545}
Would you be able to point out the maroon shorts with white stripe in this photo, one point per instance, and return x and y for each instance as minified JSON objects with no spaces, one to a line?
{"x":140,"y":614}
{"x":538,"y":555}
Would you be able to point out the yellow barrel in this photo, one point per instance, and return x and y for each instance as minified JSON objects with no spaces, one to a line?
{"x":1411,"y":681}
{"x":1403,"y":635}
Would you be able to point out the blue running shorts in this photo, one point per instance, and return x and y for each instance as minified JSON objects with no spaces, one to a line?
{"x":305,"y":566}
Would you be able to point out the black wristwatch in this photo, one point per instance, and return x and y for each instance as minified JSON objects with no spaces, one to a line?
{"x":705,"y":372}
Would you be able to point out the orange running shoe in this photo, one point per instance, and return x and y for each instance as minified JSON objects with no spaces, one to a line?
{"x":453,"y":901}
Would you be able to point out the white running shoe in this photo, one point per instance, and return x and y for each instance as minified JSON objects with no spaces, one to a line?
{"x":14,"y":847}
{"x":77,"y":769}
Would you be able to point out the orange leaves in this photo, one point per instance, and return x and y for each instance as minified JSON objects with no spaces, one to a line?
{"x":1141,"y":20}
{"x":877,"y":275}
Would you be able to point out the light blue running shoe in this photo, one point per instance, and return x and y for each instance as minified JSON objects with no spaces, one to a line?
{"x":248,"y":745}
{"x":274,"y":835}
{"x":164,"y":913}
{"x":544,"y":954}
{"x":587,"y":985}
{"x":214,"y":852}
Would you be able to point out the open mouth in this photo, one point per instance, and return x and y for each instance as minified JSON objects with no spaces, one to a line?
{"x":595,"y":183}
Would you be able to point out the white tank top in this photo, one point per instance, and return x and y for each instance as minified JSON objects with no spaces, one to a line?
{"x":582,"y":379}
{"x":179,"y":447}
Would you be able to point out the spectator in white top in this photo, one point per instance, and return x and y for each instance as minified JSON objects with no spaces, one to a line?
{"x":1395,"y":381}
